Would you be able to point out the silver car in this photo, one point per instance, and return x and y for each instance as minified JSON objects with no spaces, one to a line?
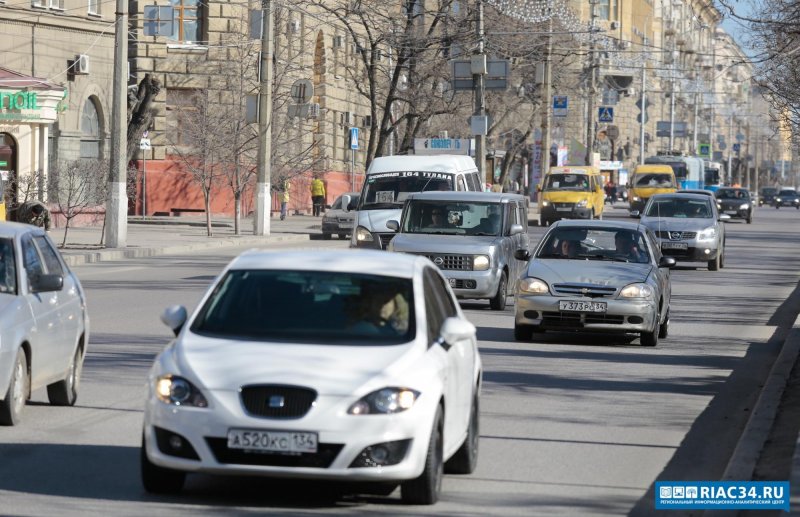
{"x":688,"y":227}
{"x":337,"y":220}
{"x":595,"y":276}
{"x":44,"y":327}
{"x":471,"y":236}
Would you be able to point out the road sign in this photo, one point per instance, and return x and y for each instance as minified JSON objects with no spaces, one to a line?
{"x":647,"y":103}
{"x":605,"y":114}
{"x":612,"y":132}
{"x":639,"y":118}
{"x":739,"y":137}
{"x":737,"y":147}
{"x":144,"y":144}
{"x":302,"y":91}
{"x":704,"y":150}
{"x":560,"y":105}
{"x":354,"y":138}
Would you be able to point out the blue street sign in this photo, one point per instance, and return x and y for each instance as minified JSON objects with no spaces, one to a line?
{"x":354,"y":138}
{"x":605,"y":114}
{"x":560,"y":105}
{"x":737,"y":147}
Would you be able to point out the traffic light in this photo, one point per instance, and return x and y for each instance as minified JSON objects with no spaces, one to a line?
{"x":642,"y":116}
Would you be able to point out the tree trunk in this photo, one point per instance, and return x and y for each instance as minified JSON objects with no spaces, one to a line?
{"x":207,"y":200}
{"x":66,"y":230}
{"x":140,"y":114}
{"x":237,"y":212}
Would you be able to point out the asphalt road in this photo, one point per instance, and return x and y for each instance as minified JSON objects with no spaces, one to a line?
{"x":571,"y":425}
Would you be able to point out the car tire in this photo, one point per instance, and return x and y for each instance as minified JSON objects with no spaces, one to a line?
{"x":342,"y":236}
{"x":650,"y":338}
{"x":326,"y":236}
{"x":498,"y":302}
{"x":663,"y":329}
{"x":159,"y":480}
{"x":17,"y":395}
{"x":722,"y":257}
{"x":465,"y":460}
{"x":65,"y":391}
{"x":777,"y":207}
{"x":714,"y":264}
{"x":750,"y":220}
{"x":523,"y":332}
{"x":426,"y":488}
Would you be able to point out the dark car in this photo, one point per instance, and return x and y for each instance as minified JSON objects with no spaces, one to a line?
{"x":767,"y":195}
{"x":787,"y":197}
{"x":736,"y":202}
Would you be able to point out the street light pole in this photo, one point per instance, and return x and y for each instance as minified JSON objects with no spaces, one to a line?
{"x":480,"y":98}
{"x":548,"y":102}
{"x":117,"y":203}
{"x":264,"y":172}
{"x":592,"y":87}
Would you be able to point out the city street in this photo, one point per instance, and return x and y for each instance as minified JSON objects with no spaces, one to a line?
{"x":570,"y":424}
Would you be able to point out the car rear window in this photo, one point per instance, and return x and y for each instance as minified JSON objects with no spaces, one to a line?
{"x":310,"y":307}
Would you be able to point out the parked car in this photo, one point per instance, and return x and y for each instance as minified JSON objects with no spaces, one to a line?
{"x":688,"y":227}
{"x":736,"y":202}
{"x":475,"y":246}
{"x":341,"y":365}
{"x":595,"y":276}
{"x":337,"y":220}
{"x":44,"y":325}
{"x":787,"y":197}
{"x":767,"y":196}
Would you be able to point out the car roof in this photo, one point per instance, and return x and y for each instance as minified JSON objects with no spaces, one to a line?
{"x":485,"y":197}
{"x":438,"y":163}
{"x":700,"y":192}
{"x":371,"y":262}
{"x":12,"y":230}
{"x":682,"y":195}
{"x":596,"y":223}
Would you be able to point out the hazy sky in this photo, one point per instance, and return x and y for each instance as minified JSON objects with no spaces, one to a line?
{"x":734,"y":27}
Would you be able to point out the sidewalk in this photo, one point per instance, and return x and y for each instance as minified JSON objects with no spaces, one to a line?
{"x":167,"y":235}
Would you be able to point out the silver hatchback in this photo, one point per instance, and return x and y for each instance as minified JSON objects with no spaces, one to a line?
{"x":470,"y":236}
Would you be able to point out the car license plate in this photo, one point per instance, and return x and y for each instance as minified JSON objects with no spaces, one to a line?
{"x":563,"y":209}
{"x":731,"y":212}
{"x":674,"y":246}
{"x":452,"y":282}
{"x":272,"y":441}
{"x":576,"y":306}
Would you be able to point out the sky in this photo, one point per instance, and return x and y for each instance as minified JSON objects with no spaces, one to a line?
{"x":734,"y":27}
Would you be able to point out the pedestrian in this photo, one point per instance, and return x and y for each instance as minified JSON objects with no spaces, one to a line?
{"x":35,"y":213}
{"x":317,"y":196}
{"x":285,"y":199}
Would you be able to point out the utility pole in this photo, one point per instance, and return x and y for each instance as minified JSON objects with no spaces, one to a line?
{"x":694,"y":131}
{"x":479,"y":66}
{"x":643,"y":109}
{"x":264,"y":172}
{"x":117,"y":203}
{"x":672,"y":106}
{"x":592,"y":87}
{"x":730,"y":147}
{"x":548,"y":102}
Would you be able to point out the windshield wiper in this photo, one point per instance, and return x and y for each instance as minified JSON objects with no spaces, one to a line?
{"x":604,"y":257}
{"x":482,"y":234}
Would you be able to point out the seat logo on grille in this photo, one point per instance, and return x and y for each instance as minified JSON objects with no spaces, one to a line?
{"x":675,"y":235}
{"x":276,"y":401}
{"x":438,"y":261}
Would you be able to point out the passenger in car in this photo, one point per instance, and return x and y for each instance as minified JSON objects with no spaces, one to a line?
{"x":8,"y":273}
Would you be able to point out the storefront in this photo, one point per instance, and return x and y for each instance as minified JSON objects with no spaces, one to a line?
{"x":28,"y":106}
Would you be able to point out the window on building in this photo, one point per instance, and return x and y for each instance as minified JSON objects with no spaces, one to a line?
{"x":187,"y":24}
{"x":90,"y":130}
{"x":39,"y":3}
{"x":180,"y":102}
{"x":57,"y":4}
{"x":94,"y":6}
{"x":604,"y":9}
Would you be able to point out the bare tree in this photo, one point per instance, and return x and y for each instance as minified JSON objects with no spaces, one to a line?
{"x":140,"y":111}
{"x":77,"y":187}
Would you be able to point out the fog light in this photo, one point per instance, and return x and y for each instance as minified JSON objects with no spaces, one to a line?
{"x":470,"y":284}
{"x":635,"y":319}
{"x":175,"y":442}
{"x":379,"y":454}
{"x":382,"y":454}
{"x":531,"y":315}
{"x":707,"y":252}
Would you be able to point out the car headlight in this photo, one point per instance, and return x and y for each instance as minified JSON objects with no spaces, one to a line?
{"x":778,"y":199}
{"x":545,"y":203}
{"x":582,"y":203}
{"x":637,"y":198}
{"x":480,"y":263}
{"x":636,"y":291}
{"x":709,"y":234}
{"x":384,"y":402}
{"x":177,"y":391}
{"x":364,"y":235}
{"x":744,"y":206}
{"x":533,"y":286}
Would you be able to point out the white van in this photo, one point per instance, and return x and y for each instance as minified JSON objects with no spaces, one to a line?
{"x":389,"y":181}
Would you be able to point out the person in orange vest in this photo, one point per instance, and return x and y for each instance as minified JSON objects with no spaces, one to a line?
{"x":317,"y":196}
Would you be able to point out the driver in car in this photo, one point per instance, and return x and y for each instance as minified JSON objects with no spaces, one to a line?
{"x":627,"y":248}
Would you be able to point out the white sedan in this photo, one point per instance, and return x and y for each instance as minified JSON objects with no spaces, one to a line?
{"x":44,"y":327}
{"x":355,"y":366}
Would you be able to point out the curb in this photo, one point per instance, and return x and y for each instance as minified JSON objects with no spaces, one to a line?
{"x":124,"y":253}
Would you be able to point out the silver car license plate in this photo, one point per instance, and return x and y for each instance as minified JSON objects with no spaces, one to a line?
{"x":579,"y":306}
{"x":272,"y":441}
{"x":563,"y":209}
{"x":674,"y":245}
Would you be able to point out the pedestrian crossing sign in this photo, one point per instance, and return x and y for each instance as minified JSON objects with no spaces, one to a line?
{"x":606,"y":114}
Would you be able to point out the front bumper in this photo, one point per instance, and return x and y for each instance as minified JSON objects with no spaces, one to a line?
{"x":737,"y":212}
{"x":694,"y":252}
{"x":621,"y":316}
{"x":788,"y":202}
{"x":337,"y":227}
{"x":473,"y":284}
{"x":556,"y":211}
{"x":342,"y":438}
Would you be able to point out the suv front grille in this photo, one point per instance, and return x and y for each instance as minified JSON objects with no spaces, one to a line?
{"x":577,"y":319}
{"x":664,"y":234}
{"x":452,"y":262}
{"x":276,"y":401}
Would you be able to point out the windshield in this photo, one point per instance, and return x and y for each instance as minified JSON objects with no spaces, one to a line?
{"x":578,"y":182}
{"x":787,"y":193}
{"x":732,"y":194}
{"x":309,"y":307}
{"x":390,"y":189}
{"x":613,"y":244}
{"x":453,"y":218}
{"x":8,"y":267}
{"x":655,"y":179}
{"x":679,"y":208}
{"x":769,"y":191}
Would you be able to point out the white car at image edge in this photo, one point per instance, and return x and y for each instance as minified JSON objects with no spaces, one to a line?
{"x":345,"y":365}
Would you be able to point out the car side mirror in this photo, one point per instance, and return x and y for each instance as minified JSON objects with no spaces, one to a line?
{"x":666,"y":262}
{"x":724,"y":217}
{"x":635,"y":213}
{"x":516,"y":229}
{"x":522,"y":254}
{"x":47,"y":283}
{"x":346,"y":203}
{"x":454,"y":330}
{"x":174,"y":317}
{"x":393,"y":225}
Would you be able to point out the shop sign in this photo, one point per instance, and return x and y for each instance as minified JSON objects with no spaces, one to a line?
{"x":12,"y":103}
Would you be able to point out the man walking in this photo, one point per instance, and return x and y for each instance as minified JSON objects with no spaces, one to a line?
{"x":285,"y":199}
{"x":317,"y":196}
{"x":35,"y":213}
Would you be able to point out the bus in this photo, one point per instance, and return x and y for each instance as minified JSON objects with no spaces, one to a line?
{"x":713,"y":176}
{"x":689,"y":170}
